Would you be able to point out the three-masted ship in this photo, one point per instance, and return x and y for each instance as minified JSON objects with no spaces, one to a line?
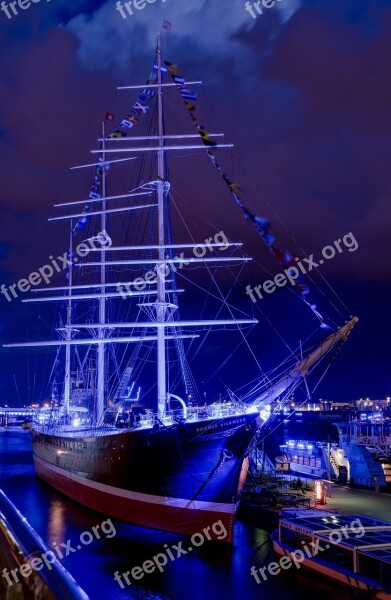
{"x":176,"y":467}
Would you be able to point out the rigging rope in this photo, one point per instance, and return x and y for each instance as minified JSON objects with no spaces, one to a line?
{"x":261,"y":224}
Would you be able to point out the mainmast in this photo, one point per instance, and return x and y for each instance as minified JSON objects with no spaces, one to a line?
{"x":161,"y":286}
{"x":101,"y":367}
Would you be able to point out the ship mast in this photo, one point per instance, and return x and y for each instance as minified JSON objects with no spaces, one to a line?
{"x":68,"y":336}
{"x":161,"y":286}
{"x":101,"y":367}
{"x":159,"y":311}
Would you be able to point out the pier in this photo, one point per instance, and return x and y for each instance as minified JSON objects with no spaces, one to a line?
{"x":347,"y":500}
{"x":265,"y":502}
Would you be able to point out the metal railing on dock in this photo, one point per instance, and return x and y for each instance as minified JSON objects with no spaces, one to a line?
{"x":21,"y":551}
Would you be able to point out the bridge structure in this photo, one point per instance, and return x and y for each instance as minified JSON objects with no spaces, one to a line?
{"x":14,"y":416}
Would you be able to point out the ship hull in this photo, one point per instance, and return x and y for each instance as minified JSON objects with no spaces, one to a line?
{"x":182,"y":478}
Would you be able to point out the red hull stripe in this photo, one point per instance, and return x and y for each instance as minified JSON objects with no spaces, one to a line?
{"x":157,"y":512}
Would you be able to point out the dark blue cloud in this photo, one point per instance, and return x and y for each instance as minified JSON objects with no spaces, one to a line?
{"x":304,"y":92}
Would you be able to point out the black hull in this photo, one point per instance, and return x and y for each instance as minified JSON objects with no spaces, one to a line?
{"x":188,"y":473}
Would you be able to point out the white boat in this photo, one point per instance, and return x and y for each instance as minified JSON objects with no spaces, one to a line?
{"x":310,"y":459}
{"x":354,"y":550}
{"x":366,"y":446}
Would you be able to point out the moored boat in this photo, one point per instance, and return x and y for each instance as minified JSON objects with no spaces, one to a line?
{"x":366,"y":447}
{"x":313,"y":459}
{"x":354,"y":550}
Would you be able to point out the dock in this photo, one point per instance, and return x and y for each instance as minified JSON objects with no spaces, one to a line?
{"x":346,"y":500}
{"x":266,"y":511}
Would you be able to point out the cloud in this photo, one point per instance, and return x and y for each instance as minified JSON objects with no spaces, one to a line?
{"x":49,"y":119}
{"x":206,"y":27}
{"x":319,"y":143}
{"x":287,"y":8}
{"x":302,"y":93}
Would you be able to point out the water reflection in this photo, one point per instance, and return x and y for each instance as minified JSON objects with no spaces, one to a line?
{"x":212,"y":572}
{"x":57,"y":529}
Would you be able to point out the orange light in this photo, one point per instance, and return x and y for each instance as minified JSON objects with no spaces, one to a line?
{"x":319,"y":490}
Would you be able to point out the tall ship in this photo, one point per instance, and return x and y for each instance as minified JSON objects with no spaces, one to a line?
{"x":130,"y":432}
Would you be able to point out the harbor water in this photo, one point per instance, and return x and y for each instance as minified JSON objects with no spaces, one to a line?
{"x":211,"y":571}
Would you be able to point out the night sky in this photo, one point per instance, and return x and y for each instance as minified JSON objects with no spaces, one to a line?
{"x":304,"y":93}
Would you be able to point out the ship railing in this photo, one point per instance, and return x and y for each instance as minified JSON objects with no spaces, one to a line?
{"x":168,"y":419}
{"x":20,"y":545}
{"x":89,"y":431}
{"x":193,"y":413}
{"x":212,"y":412}
{"x":223,"y":411}
{"x":371,"y":440}
{"x":383,"y":450}
{"x":171,"y":417}
{"x":151,"y":419}
{"x":147,"y":420}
